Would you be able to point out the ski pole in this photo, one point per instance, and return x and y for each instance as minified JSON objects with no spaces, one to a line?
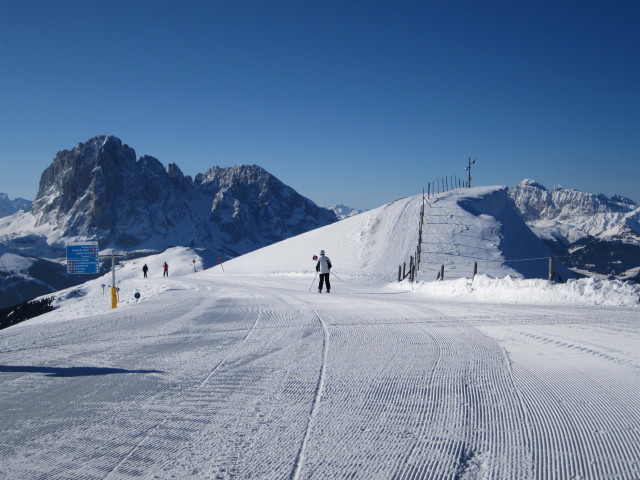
{"x":314,"y":281}
{"x":336,"y":276}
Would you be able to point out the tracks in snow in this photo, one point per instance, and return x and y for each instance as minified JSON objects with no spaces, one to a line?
{"x":299,"y":461}
{"x":260,"y":382}
{"x":582,"y":403}
{"x":186,"y":403}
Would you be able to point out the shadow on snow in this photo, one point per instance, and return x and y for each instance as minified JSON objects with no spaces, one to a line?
{"x":69,"y":371}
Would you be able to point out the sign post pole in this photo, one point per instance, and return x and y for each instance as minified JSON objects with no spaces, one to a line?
{"x":114,"y":292}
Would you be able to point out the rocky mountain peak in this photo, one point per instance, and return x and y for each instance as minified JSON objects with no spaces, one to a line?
{"x":98,"y":190}
{"x":10,"y":206}
{"x":592,"y":230}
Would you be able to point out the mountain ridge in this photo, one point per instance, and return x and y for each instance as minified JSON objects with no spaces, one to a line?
{"x":100,"y":191}
{"x":600,"y":235}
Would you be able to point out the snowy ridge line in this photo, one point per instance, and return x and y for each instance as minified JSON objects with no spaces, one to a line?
{"x":300,"y":457}
{"x":180,"y":407}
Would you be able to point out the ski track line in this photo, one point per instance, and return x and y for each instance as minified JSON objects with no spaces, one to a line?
{"x":578,"y":431}
{"x":181,"y":405}
{"x":300,"y":457}
{"x":476,"y":371}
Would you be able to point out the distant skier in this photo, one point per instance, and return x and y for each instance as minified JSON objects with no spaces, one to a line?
{"x":145,"y":269}
{"x":324,"y":268}
{"x":165,"y":269}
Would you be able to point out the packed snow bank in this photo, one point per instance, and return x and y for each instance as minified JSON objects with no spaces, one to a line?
{"x":586,"y":291}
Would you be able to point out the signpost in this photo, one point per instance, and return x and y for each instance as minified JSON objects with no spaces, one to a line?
{"x":82,"y":258}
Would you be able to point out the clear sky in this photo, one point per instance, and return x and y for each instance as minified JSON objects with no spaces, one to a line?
{"x":355,"y":102}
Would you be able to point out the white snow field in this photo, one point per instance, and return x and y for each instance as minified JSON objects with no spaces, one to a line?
{"x":251,"y":374}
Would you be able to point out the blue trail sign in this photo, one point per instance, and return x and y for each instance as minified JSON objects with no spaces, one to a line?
{"x":83,"y":258}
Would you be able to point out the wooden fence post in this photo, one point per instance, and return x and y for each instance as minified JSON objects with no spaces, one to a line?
{"x":399,"y":273}
{"x":475,"y":269}
{"x":551,"y":269}
{"x":411,"y":266}
{"x":441,"y":272}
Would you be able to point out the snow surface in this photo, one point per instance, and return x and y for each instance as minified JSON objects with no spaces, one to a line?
{"x":249,"y":373}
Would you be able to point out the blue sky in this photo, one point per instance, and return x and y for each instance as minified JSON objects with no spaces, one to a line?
{"x":355,"y":102}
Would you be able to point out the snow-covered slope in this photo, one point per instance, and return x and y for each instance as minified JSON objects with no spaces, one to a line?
{"x":241,"y":375}
{"x":461,"y":227}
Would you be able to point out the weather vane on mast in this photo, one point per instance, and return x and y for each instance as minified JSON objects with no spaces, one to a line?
{"x":468,"y":169}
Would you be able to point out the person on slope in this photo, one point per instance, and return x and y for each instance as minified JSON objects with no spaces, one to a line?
{"x":324,"y":268}
{"x":165,"y":269}
{"x":145,"y":269}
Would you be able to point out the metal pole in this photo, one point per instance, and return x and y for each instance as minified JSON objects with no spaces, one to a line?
{"x":114,"y":292}
{"x":468,"y":169}
{"x":314,"y":281}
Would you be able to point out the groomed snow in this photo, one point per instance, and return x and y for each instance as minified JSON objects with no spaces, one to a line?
{"x":250,"y":373}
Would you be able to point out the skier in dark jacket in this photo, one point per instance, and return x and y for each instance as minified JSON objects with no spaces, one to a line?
{"x":324,"y":268}
{"x":145,"y":269}
{"x":165,"y":269}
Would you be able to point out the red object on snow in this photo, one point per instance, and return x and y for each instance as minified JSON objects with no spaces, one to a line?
{"x":315,"y":257}
{"x":219,"y":259}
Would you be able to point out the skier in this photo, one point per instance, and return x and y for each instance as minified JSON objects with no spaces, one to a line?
{"x":165,"y":267}
{"x":145,"y":269}
{"x":324,"y":268}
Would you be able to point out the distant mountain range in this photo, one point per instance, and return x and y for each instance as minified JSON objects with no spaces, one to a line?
{"x":342,"y":211}
{"x":100,"y":191}
{"x":10,"y":206}
{"x":595,"y":234}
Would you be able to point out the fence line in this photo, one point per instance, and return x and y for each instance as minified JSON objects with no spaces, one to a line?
{"x":414,"y":260}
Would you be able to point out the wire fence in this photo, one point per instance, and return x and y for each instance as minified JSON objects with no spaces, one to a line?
{"x":438,"y":263}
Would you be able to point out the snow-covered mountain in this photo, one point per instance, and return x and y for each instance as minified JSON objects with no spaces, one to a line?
{"x":597,"y":234}
{"x":342,"y":211}
{"x":10,"y":206}
{"x":100,"y":191}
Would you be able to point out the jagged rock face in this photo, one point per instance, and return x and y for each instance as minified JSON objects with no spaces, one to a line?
{"x":594,"y":232}
{"x":535,"y":202}
{"x":582,"y":213}
{"x":99,"y":191}
{"x":249,"y":203}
